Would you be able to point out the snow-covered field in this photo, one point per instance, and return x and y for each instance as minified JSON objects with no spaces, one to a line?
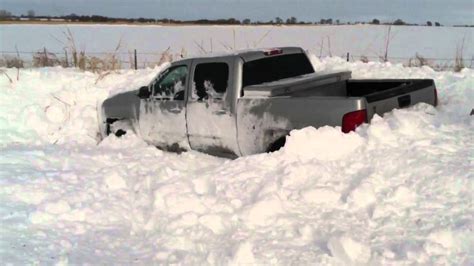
{"x":151,"y":41}
{"x":397,"y":191}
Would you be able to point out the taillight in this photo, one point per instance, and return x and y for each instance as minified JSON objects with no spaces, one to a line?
{"x":353,"y":119}
{"x":435,"y":97}
{"x":273,"y":52}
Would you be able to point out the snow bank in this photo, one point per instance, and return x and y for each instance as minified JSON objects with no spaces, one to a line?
{"x":56,"y":105}
{"x":397,"y":191}
{"x":325,"y":144}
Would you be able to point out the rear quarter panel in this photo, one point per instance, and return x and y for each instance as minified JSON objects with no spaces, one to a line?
{"x":263,"y":121}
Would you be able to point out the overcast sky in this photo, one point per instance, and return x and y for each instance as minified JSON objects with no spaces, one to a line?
{"x":447,"y":12}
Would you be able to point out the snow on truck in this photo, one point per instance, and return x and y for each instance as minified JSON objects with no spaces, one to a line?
{"x":247,"y":102}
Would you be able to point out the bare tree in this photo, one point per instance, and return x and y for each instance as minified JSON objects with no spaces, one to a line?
{"x":5,"y":14}
{"x":459,"y":59}
{"x":387,"y":44}
{"x":31,"y":13}
{"x":399,"y":22}
{"x":291,"y":20}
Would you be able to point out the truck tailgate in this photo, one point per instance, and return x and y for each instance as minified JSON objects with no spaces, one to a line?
{"x":407,"y":93}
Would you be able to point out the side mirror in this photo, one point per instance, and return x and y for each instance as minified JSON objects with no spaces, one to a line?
{"x":179,"y":96}
{"x":144,"y":92}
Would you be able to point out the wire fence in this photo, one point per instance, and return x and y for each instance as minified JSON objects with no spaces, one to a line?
{"x":86,"y":60}
{"x":97,"y":61}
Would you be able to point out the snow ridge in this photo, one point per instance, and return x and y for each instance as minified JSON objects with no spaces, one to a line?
{"x":397,"y":191}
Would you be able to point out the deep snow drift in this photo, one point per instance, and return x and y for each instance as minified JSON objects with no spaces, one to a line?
{"x":397,"y":191}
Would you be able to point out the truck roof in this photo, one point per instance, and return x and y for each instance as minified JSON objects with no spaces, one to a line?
{"x":250,"y":54}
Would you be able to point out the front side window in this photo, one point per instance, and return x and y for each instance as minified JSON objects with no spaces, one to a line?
{"x":210,"y":80}
{"x":171,"y":84}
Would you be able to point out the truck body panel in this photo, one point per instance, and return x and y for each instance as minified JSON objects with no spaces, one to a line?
{"x":385,"y":95}
{"x":266,"y":120}
{"x":211,"y":118}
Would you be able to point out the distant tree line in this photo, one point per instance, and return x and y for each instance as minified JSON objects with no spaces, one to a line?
{"x":8,"y":16}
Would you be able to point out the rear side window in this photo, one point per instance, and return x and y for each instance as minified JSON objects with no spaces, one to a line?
{"x":210,"y":80}
{"x":275,"y":68}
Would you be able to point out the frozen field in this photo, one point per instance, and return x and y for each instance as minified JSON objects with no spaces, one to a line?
{"x":358,"y":40}
{"x":397,"y":191}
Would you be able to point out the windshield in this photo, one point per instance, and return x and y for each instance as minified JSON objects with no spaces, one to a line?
{"x":275,"y":68}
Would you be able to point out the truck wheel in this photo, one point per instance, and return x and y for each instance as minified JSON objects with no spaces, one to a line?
{"x":117,"y":127}
{"x":278,"y":144}
{"x":120,"y":132}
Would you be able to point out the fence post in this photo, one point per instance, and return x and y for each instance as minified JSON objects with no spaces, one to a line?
{"x":135,"y":56}
{"x":45,"y":59}
{"x":347,"y":58}
{"x":65,"y":54}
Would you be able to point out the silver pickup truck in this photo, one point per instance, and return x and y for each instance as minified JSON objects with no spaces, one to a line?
{"x":247,"y":102}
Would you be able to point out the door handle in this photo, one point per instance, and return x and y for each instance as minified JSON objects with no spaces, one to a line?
{"x":220,"y":112}
{"x":175,"y":110}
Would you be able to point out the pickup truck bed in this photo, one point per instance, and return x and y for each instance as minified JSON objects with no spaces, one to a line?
{"x":341,"y":97}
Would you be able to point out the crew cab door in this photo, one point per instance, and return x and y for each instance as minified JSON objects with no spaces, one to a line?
{"x":162,"y":118}
{"x":210,"y":117}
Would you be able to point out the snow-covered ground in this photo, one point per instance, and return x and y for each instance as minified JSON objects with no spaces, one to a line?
{"x":151,"y":41}
{"x":397,"y":191}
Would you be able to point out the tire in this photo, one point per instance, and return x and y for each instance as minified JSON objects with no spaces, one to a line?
{"x":277,"y":145}
{"x":117,"y":127}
